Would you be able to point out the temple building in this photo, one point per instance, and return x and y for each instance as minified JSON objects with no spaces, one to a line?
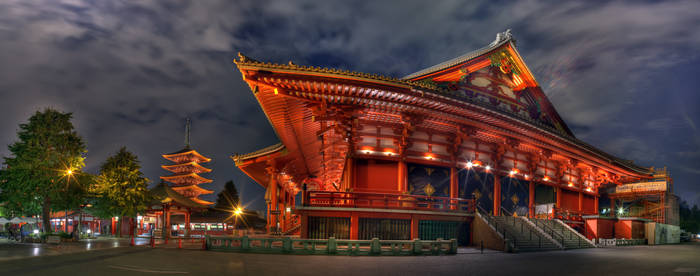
{"x":425,"y":155}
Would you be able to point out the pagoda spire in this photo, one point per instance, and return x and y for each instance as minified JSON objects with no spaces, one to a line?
{"x":188,"y":125}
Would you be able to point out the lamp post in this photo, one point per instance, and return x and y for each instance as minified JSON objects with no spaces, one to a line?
{"x":236,"y":213}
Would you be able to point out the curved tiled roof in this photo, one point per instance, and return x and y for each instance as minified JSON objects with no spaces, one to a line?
{"x":261,"y":152}
{"x":501,"y":38}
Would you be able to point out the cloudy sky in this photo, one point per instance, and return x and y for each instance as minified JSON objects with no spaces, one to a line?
{"x":623,"y":74}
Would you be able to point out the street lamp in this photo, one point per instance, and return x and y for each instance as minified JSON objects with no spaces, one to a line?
{"x":237,"y":213}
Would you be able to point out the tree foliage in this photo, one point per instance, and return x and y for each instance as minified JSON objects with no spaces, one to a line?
{"x":42,"y":172}
{"x":690,"y":217}
{"x":228,"y":198}
{"x":120,"y":189}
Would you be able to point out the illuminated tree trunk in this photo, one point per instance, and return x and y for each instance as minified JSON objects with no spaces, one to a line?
{"x":46,"y":215}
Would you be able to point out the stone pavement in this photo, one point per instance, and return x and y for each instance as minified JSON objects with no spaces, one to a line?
{"x":681,"y":259}
{"x":11,"y":250}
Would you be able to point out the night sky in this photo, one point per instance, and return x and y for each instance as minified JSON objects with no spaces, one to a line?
{"x":624,"y":75}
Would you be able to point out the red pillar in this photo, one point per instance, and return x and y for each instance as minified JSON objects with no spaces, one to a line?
{"x":454,"y":187}
{"x":596,"y":205}
{"x":166,"y":226}
{"x":580,"y":201}
{"x":531,"y":199}
{"x":187,"y":224}
{"x":496,"y":194}
{"x":304,"y":226}
{"x":414,"y":227}
{"x":558,"y":197}
{"x":354,"y":226}
{"x":613,"y":212}
{"x":402,"y":176}
{"x":114,"y":227}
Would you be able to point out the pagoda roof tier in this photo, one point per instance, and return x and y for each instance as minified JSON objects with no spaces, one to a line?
{"x":201,"y":201}
{"x":163,"y":194}
{"x":186,"y":155}
{"x":314,"y":110}
{"x":191,"y":167}
{"x":193,"y":188}
{"x":254,"y":164}
{"x":186,"y":178}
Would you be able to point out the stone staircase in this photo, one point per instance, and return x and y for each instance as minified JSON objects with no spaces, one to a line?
{"x":566,"y":236}
{"x":520,"y":234}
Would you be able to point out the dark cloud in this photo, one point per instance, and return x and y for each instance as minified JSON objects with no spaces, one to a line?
{"x":621,"y":73}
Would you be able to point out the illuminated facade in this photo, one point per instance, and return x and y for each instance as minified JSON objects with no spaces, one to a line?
{"x":407,"y":158}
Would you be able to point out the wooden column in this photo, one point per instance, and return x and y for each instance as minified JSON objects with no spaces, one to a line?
{"x":402,"y":176}
{"x":496,"y":193}
{"x":354,"y":226}
{"x":531,"y":199}
{"x":558,"y":197}
{"x":580,"y":201}
{"x":187,"y":223}
{"x":349,"y":164}
{"x":414,"y":227}
{"x":167,"y":223}
{"x":304,"y":232}
{"x":454,"y":187}
{"x":273,"y":204}
{"x":613,"y":212}
{"x":597,"y":211}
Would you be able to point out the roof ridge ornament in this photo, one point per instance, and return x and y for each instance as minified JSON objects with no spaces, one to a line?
{"x":502,"y":36}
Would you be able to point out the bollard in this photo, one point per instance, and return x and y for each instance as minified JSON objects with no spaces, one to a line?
{"x":453,"y":246}
{"x":179,"y":243}
{"x":153,"y":242}
{"x":417,"y":247}
{"x":132,"y":241}
{"x":287,"y":245}
{"x":332,"y":245}
{"x":482,"y":247}
{"x":375,"y":247}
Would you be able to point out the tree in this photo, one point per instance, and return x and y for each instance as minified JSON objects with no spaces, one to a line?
{"x":120,"y":188}
{"x":42,"y":169}
{"x":228,"y":198}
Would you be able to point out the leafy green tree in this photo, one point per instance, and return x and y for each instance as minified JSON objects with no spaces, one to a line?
{"x":41,"y":171}
{"x":121,"y":189}
{"x":228,"y":198}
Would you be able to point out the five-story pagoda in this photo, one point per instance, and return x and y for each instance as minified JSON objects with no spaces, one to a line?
{"x":185,"y":178}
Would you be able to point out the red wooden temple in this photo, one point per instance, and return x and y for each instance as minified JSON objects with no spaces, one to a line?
{"x":407,"y":158}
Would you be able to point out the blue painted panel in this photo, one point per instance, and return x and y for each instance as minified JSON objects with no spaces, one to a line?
{"x":428,"y":180}
{"x":515,"y":195}
{"x":477,"y":185}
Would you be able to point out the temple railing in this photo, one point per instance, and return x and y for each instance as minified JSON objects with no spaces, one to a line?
{"x":388,"y":201}
{"x":567,"y":215}
{"x":332,"y":246}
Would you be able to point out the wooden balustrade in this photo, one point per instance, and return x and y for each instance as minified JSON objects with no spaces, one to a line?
{"x":388,"y":201}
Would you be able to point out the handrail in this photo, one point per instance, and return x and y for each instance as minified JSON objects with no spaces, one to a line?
{"x":510,"y":214}
{"x":388,"y":201}
{"x":552,"y":232}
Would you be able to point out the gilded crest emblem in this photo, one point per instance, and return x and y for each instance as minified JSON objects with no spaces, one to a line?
{"x":429,"y":190}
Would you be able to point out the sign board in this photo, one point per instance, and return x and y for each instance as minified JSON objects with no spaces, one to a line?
{"x":655,"y":186}
{"x":53,"y":239}
{"x":544,"y":208}
{"x":275,"y":212}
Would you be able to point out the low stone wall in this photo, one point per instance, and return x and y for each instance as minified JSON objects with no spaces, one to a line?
{"x":483,"y":233}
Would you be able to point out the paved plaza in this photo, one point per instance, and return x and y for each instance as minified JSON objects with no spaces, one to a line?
{"x":120,"y":259}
